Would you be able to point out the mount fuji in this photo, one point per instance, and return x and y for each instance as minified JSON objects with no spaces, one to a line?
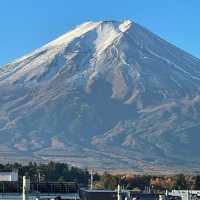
{"x":107,"y":95}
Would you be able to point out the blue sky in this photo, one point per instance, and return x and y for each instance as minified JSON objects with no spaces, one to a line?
{"x":28,"y":24}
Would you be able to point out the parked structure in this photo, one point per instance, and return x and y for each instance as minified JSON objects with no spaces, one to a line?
{"x":124,"y":195}
{"x":143,"y":196}
{"x":98,"y":194}
{"x":116,"y":195}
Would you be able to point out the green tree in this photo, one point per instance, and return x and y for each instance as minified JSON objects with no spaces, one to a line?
{"x":181,"y":183}
{"x":109,"y":181}
{"x":197,"y":182}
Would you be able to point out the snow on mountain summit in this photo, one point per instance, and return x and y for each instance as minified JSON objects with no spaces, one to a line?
{"x":125,"y":25}
{"x":112,"y":49}
{"x":96,"y":36}
{"x":104,"y":26}
{"x":75,"y":33}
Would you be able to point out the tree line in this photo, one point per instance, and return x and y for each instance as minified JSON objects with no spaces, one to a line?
{"x":51,"y":172}
{"x":62,"y":172}
{"x":149,"y":182}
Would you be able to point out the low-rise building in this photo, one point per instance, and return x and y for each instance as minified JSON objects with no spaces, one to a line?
{"x":186,"y":194}
{"x":113,"y":195}
{"x":8,"y":176}
{"x":98,"y":194}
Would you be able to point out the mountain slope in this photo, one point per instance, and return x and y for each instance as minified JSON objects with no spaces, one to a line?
{"x":111,"y":92}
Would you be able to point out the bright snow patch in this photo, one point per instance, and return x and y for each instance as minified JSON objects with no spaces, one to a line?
{"x":124,"y":26}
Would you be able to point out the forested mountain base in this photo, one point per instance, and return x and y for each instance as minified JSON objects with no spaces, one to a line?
{"x":63,"y":173}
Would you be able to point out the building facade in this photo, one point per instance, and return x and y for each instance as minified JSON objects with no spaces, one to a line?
{"x":8,"y":176}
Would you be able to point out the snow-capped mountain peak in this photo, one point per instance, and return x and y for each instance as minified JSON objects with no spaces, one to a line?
{"x":111,"y":91}
{"x":90,"y":37}
{"x":84,"y":28}
{"x":75,"y":33}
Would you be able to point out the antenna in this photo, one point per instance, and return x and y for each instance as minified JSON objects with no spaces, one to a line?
{"x":118,"y":192}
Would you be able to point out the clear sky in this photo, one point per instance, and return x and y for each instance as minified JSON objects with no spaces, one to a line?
{"x":28,"y":24}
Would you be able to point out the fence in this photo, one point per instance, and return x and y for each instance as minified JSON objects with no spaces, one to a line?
{"x":18,"y":196}
{"x":41,"y":187}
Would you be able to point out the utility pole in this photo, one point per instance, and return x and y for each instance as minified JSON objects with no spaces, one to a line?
{"x":188,"y":195}
{"x":39,"y":176}
{"x":26,"y":188}
{"x":118,"y":192}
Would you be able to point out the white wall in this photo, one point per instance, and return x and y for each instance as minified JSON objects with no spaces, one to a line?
{"x":184,"y":194}
{"x":8,"y":176}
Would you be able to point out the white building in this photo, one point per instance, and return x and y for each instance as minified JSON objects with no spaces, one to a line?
{"x":8,"y":176}
{"x":186,"y":194}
